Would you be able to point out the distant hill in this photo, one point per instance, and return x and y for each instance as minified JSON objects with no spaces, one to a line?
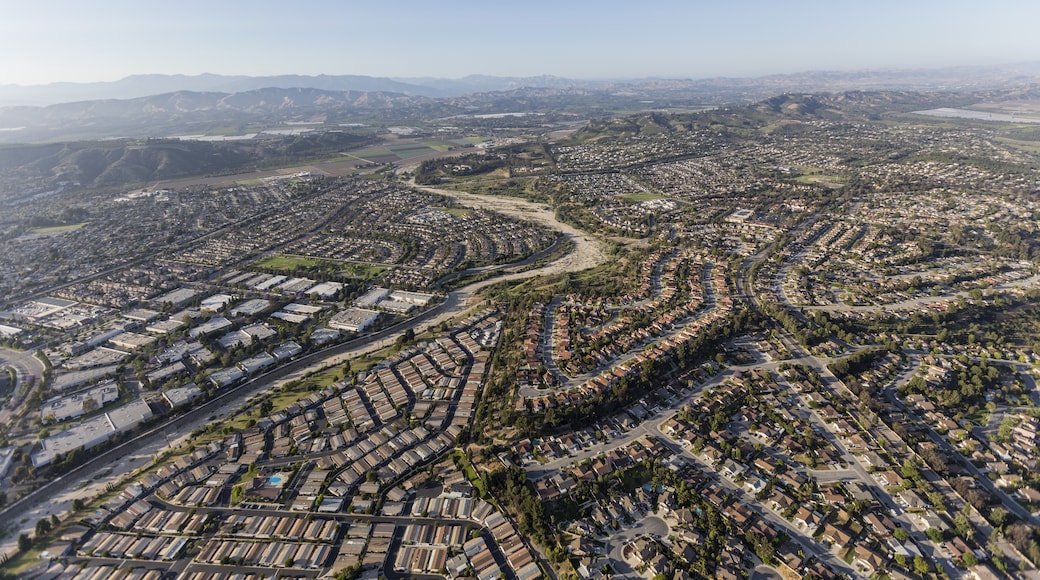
{"x":121,"y":162}
{"x":486,"y":84}
{"x":715,"y":89}
{"x":27,"y":169}
{"x":240,"y":105}
{"x":188,"y":112}
{"x":138,"y":86}
{"x":851,"y":106}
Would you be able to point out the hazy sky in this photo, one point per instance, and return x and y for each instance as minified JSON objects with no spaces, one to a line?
{"x":90,"y":40}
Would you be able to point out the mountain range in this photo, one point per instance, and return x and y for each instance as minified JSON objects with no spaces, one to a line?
{"x":28,"y":169}
{"x":167,"y":105}
{"x":957,"y":78}
{"x":137,"y":86}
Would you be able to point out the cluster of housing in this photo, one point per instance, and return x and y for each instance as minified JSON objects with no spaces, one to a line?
{"x":333,"y":481}
{"x":124,"y":230}
{"x":699,"y":300}
{"x":854,"y":264}
{"x":220,"y":342}
{"x":395,"y":226}
{"x":670,"y":290}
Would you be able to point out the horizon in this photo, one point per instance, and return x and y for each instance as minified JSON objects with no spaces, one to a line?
{"x":850,"y":71}
{"x":62,"y":41}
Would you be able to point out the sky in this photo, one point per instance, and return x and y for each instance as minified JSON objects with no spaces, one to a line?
{"x":44,"y":41}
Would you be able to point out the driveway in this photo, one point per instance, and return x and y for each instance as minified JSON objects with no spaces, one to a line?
{"x":650,"y":525}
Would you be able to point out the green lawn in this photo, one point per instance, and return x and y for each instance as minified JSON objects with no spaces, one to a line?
{"x":287,"y":263}
{"x":458,"y":212}
{"x":363,"y":271}
{"x":412,"y":152}
{"x":638,"y":197}
{"x":1028,"y":146}
{"x":283,"y":262}
{"x":813,"y":179}
{"x":317,"y":381}
{"x":470,"y":473}
{"x":438,"y":145}
{"x":367,"y":361}
{"x":371,"y":152}
{"x":469,"y":140}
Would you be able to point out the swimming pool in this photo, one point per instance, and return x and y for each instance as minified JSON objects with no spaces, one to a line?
{"x":275,"y":480}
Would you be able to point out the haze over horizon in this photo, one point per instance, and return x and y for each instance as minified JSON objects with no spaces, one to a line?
{"x":64,"y":41}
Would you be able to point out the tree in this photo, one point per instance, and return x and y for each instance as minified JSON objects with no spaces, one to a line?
{"x":935,"y":535}
{"x":349,"y":573}
{"x":909,"y":470}
{"x":969,"y":559}
{"x":406,"y":338}
{"x":921,"y":565}
{"x":963,"y":525}
{"x":24,"y":543}
{"x":998,"y":517}
{"x":265,"y":408}
{"x":763,"y":549}
{"x":89,"y":405}
{"x":43,"y":527}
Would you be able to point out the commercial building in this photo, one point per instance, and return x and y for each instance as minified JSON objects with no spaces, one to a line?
{"x":92,"y":432}
{"x":353,"y":319}
{"x":181,"y":396}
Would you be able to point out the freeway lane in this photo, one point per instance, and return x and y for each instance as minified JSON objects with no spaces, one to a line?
{"x":27,"y":367}
{"x":235,"y":396}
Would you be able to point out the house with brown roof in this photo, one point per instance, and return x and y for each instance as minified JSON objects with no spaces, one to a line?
{"x":867,"y":559}
{"x":837,"y":537}
{"x":806,"y":519}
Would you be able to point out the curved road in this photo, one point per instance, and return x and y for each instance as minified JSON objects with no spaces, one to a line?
{"x":26,"y":366}
{"x":588,"y":252}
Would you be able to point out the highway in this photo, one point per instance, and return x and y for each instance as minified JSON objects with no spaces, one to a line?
{"x":27,"y":368}
{"x":233,"y":398}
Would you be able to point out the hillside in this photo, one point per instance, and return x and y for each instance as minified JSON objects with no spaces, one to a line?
{"x":96,"y":164}
{"x":25,"y":169}
{"x":848,"y":106}
{"x":186,"y":112}
{"x":707,"y":90}
{"x":165,"y":105}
